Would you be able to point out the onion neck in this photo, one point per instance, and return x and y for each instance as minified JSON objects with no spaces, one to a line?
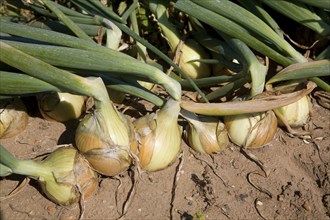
{"x":168,"y":29}
{"x":113,"y":122}
{"x":190,"y":117}
{"x":169,"y":111}
{"x":23,"y":167}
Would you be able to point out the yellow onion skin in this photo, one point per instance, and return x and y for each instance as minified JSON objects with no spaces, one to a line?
{"x":102,"y":153}
{"x":296,"y":114}
{"x":70,"y":176}
{"x":13,"y":117}
{"x":192,"y":50}
{"x":61,"y":107}
{"x":251,"y":130}
{"x":206,"y":134}
{"x":159,"y":137}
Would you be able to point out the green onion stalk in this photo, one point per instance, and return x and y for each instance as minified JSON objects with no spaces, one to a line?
{"x":302,"y":14}
{"x":98,"y":10}
{"x":142,"y":53}
{"x":251,"y":64}
{"x":89,"y":62}
{"x":237,"y":22}
{"x":104,"y":133}
{"x":66,"y":20}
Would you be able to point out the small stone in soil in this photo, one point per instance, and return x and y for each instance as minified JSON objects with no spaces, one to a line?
{"x":243,"y":197}
{"x":51,"y":209}
{"x":307,"y":206}
{"x":280,"y":198}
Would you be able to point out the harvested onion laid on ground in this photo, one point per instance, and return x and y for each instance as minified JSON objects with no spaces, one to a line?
{"x":105,"y":52}
{"x":64,"y":175}
{"x":61,"y":106}
{"x":205,"y":134}
{"x":251,"y":130}
{"x":13,"y":117}
{"x":191,"y":51}
{"x":105,"y":136}
{"x":296,"y":114}
{"x":159,"y":136}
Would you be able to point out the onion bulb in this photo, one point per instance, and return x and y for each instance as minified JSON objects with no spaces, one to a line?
{"x":61,"y":107}
{"x":190,"y":51}
{"x":13,"y":117}
{"x":251,"y":130}
{"x":64,"y":175}
{"x":108,"y":151}
{"x":296,"y":114}
{"x":205,"y":134}
{"x":105,"y":136}
{"x":159,"y":137}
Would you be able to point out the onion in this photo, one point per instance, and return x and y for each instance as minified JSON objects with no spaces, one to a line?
{"x":296,"y":114}
{"x":205,"y":134}
{"x":190,"y":51}
{"x":159,"y":136}
{"x":61,"y":106}
{"x":105,"y":136}
{"x":106,"y":152}
{"x":64,"y":175}
{"x":251,"y":130}
{"x":13,"y":117}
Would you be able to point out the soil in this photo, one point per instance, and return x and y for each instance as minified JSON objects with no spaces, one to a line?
{"x":226,"y":185}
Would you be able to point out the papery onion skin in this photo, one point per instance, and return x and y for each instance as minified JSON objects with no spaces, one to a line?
{"x":95,"y":144}
{"x":297,"y":114}
{"x":64,"y":175}
{"x":73,"y":175}
{"x":159,"y":136}
{"x":108,"y":161}
{"x":251,"y":130}
{"x":206,"y":134}
{"x":13,"y":117}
